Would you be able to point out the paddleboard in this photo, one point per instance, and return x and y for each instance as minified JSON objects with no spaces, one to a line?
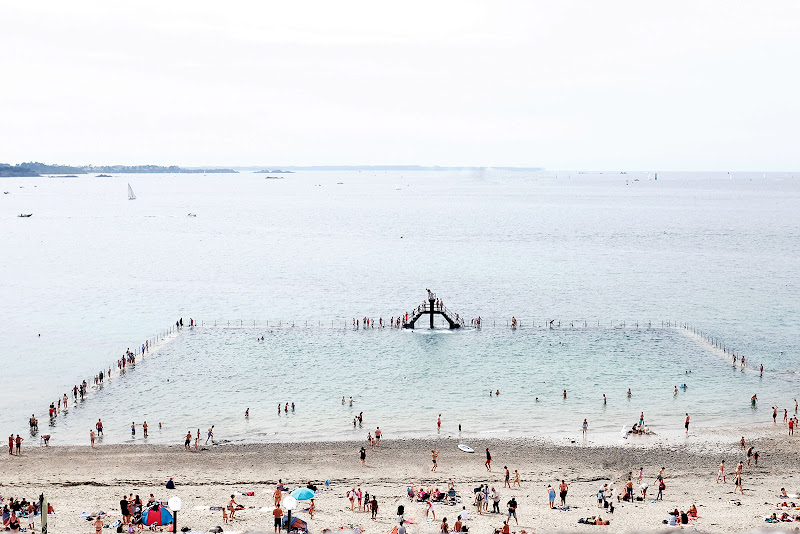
{"x":466,"y":449}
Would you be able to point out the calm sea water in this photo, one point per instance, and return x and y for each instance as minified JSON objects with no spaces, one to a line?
{"x":92,"y":273}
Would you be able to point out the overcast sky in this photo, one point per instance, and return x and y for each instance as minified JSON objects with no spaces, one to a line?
{"x":563,"y":85}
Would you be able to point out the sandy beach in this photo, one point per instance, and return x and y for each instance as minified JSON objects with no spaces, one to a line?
{"x":80,"y":479}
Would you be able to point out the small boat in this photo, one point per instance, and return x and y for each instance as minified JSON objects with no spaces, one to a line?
{"x":24,"y":214}
{"x":339,"y":183}
{"x":131,"y":196}
{"x":5,"y":192}
{"x":191,"y":215}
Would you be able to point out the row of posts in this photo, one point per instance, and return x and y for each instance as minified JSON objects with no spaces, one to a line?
{"x":544,"y":324}
{"x":709,"y":338}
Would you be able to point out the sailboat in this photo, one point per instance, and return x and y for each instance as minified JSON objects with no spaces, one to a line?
{"x":131,"y":196}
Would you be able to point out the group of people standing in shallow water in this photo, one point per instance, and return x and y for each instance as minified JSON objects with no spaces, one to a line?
{"x":79,"y":392}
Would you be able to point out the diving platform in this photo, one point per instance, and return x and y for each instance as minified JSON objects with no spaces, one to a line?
{"x":432,"y":308}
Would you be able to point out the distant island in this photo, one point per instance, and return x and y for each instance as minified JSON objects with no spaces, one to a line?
{"x":34,"y":168}
{"x":278,"y":171}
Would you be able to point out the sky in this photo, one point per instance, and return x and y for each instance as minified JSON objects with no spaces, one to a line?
{"x":679,"y":85}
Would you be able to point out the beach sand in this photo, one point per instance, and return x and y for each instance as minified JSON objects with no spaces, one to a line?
{"x":80,"y":479}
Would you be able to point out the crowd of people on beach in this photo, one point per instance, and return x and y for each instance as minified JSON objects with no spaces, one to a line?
{"x":14,"y":509}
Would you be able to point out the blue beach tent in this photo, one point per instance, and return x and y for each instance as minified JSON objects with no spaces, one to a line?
{"x":157,"y":516}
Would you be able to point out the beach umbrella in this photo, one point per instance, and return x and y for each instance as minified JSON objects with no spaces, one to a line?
{"x":157,"y":516}
{"x":303,"y":494}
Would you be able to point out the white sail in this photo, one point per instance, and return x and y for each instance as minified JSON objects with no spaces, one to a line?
{"x":131,"y":196}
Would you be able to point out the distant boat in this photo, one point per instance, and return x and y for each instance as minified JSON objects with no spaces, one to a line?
{"x":397,"y":188}
{"x":131,"y":196}
{"x":635,"y":179}
{"x":191,"y":215}
{"x":339,"y":183}
{"x":24,"y":214}
{"x":103,"y":176}
{"x":5,"y":192}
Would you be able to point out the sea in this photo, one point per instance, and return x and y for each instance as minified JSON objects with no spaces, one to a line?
{"x":608,"y":274}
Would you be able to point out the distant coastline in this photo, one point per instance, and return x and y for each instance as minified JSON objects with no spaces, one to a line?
{"x":277,"y":171}
{"x":34,"y":168}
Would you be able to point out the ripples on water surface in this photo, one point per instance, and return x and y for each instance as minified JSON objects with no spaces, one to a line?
{"x":94,"y":273}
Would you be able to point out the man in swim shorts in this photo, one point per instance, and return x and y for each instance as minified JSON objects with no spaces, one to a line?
{"x":563,"y":488}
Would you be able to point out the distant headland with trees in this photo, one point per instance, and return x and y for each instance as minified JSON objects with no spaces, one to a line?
{"x":34,"y":168}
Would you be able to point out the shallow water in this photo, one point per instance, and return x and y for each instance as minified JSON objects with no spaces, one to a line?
{"x":94,"y":273}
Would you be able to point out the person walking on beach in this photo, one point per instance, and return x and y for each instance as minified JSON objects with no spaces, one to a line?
{"x":211,"y":435}
{"x":686,"y":424}
{"x":374,"y":507}
{"x":563,"y":488}
{"x":512,"y":510}
{"x":188,"y":440}
{"x":516,"y":479}
{"x":488,"y":462}
{"x":277,"y":514}
{"x":774,"y":415}
{"x":551,"y":496}
{"x":19,"y":445}
{"x":585,"y":427}
{"x":91,"y":437}
{"x":429,"y":508}
{"x":439,"y":423}
{"x":738,"y":483}
{"x":98,"y":525}
{"x":144,"y":428}
{"x":434,"y":455}
{"x":507,"y":478}
{"x":276,"y":496}
{"x":721,"y":472}
{"x":232,"y":505}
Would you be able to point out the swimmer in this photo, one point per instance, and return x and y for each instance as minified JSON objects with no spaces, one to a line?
{"x":629,"y":393}
{"x":676,"y":391}
{"x":604,"y":399}
{"x":565,"y":393}
{"x":247,"y":413}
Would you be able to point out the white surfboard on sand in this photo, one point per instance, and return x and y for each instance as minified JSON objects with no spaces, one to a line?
{"x":465,"y":448}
